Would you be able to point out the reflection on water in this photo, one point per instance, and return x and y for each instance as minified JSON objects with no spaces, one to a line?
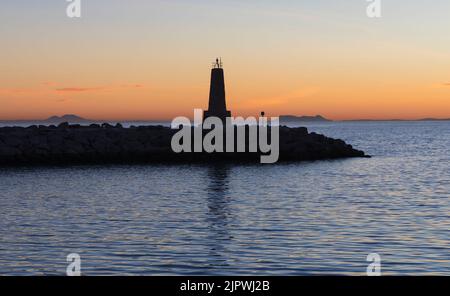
{"x":310,"y":218}
{"x":219,"y":216}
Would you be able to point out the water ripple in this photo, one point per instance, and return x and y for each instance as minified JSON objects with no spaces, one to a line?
{"x":289,"y":219}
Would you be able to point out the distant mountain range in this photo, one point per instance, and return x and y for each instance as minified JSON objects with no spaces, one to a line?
{"x":435,"y":119}
{"x":284,"y":119}
{"x":319,"y":118}
{"x":293,"y":118}
{"x":71,"y":118}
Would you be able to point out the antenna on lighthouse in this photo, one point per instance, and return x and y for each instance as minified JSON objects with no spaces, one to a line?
{"x":218,"y":63}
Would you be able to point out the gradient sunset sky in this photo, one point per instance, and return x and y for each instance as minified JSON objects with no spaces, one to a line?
{"x":148,"y":59}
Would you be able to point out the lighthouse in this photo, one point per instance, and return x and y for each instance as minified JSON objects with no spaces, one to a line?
{"x":217,"y":105}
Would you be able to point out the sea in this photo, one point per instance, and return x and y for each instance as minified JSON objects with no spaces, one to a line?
{"x":308,"y":218}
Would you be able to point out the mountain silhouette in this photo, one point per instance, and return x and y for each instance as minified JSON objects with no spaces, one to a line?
{"x":71,"y":118}
{"x":293,"y":118}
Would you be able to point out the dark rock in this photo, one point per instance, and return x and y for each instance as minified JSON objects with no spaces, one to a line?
{"x":145,"y":144}
{"x":63,"y":125}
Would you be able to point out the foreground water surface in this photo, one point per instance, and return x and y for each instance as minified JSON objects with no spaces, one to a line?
{"x":320,"y":217}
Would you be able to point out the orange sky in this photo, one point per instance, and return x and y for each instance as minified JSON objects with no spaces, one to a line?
{"x":135,"y":63}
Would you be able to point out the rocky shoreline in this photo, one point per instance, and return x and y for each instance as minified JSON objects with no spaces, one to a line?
{"x":104,"y":144}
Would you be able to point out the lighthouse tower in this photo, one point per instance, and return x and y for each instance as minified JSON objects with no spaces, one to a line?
{"x":217,"y":105}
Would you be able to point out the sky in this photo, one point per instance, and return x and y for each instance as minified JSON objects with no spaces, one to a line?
{"x":151,"y":60}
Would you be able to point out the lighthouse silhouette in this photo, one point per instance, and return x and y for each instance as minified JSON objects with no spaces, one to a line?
{"x":217,"y":105}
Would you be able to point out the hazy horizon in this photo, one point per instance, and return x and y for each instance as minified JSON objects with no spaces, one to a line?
{"x":191,"y":118}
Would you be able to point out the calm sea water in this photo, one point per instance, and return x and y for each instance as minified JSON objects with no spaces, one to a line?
{"x":320,"y":217}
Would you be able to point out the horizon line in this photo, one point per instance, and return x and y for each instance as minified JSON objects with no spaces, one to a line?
{"x":191,"y":118}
